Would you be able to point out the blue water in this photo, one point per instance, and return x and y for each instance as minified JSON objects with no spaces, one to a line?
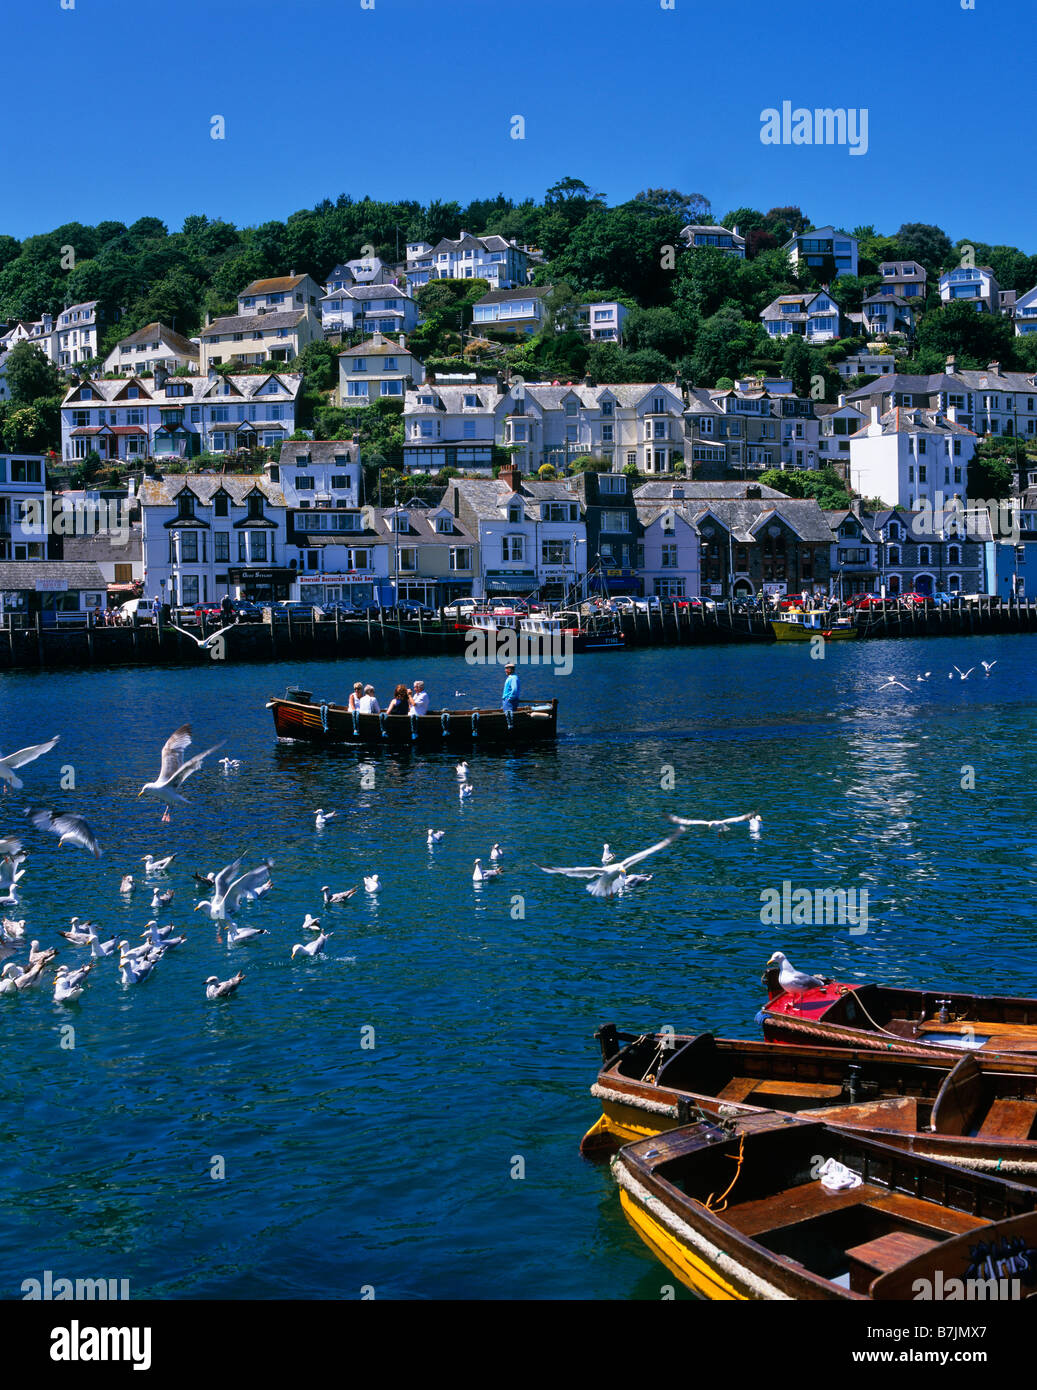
{"x":390,"y":1167}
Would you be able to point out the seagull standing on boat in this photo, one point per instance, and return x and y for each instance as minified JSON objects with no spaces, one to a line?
{"x":19,"y":759}
{"x":607,"y":879}
{"x":312,"y":948}
{"x":216,"y":988}
{"x":790,"y":979}
{"x":322,"y":817}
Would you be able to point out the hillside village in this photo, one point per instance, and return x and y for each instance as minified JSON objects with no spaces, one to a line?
{"x":646,"y":398}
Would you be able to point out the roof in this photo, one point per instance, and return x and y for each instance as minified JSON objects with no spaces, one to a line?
{"x":162,"y":492}
{"x":242,"y":323}
{"x":151,"y":331}
{"x":695,"y":491}
{"x":526,"y":292}
{"x":745,"y":517}
{"x":487,"y":497}
{"x":902,"y":419}
{"x":277,"y":285}
{"x":371,"y":292}
{"x":372,"y":346}
{"x":196,"y":388}
{"x":317,"y":451}
{"x":22,"y":574}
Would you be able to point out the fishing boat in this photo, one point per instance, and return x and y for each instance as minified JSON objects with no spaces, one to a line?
{"x":299,"y":716}
{"x":970,"y":1111}
{"x":802,"y":626}
{"x":584,"y":634}
{"x":920,"y":1021}
{"x":755,"y":1208}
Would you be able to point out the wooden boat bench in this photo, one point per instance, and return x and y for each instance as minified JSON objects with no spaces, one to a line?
{"x":795,"y":1205}
{"x":740,"y":1088}
{"x":928,"y":1215}
{"x":1009,"y":1119}
{"x":884,"y":1253}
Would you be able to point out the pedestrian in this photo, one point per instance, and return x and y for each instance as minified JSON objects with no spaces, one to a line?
{"x":226,"y":610}
{"x":510,"y":693}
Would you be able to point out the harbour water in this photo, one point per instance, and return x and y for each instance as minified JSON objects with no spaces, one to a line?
{"x":257,"y":1148}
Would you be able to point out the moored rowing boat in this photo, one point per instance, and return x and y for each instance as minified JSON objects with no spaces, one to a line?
{"x":297,"y":716}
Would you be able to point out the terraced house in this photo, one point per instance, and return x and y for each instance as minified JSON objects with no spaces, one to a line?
{"x":208,"y":535}
{"x":988,"y":401}
{"x":756,"y":424}
{"x":894,"y":551}
{"x":276,"y":318}
{"x":138,"y":418}
{"x":369,"y":308}
{"x":378,"y":367}
{"x":152,"y":346}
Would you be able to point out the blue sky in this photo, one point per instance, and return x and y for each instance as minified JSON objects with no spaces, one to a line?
{"x":110,"y":113}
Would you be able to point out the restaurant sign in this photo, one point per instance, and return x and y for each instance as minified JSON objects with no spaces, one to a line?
{"x":51,"y":586}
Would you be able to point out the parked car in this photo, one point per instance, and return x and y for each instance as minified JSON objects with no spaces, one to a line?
{"x":142,"y":607}
{"x":412,"y":609}
{"x":288,"y":607}
{"x":338,"y":608}
{"x":461,"y":607}
{"x":507,"y":603}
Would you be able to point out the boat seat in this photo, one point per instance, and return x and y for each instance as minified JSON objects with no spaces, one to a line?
{"x":1008,"y":1119}
{"x":927,"y":1214}
{"x":794,"y":1205}
{"x":738,"y":1088}
{"x":815,"y":1090}
{"x":884,"y":1253}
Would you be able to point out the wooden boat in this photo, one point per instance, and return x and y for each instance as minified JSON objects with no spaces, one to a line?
{"x":740,"y":1211}
{"x":796,"y":626}
{"x":298,"y":716}
{"x":971,"y":1111}
{"x":911,"y":1020}
{"x":584,"y":634}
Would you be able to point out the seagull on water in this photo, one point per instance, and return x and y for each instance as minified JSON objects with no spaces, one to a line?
{"x":311,"y":923}
{"x":963,"y":674}
{"x":228,"y":891}
{"x":20,"y":979}
{"x":99,"y":949}
{"x":322,"y":817}
{"x":607,"y":857}
{"x":133,"y":969}
{"x":12,"y":930}
{"x":19,"y":759}
{"x":174,"y":771}
{"x":434,"y":836}
{"x":228,"y":763}
{"x":480,"y":875}
{"x":79,"y":933}
{"x":462,"y":772}
{"x":68,"y":984}
{"x":632,"y":881}
{"x":74,"y":829}
{"x":720,"y":826}
{"x":465,"y":789}
{"x":216,"y":988}
{"x":891,"y":681}
{"x":790,"y":979}
{"x":126,"y":886}
{"x":162,"y":936}
{"x":496,"y":852}
{"x":988,"y":666}
{"x":312,"y":948}
{"x":330,"y":897}
{"x":607,"y":879}
{"x":371,"y":883}
{"x":236,"y":935}
{"x":161,"y":899}
{"x":155,"y":866}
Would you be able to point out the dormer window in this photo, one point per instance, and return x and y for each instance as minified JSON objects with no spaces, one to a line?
{"x":219,"y":504}
{"x":515,"y":513}
{"x":133,"y":393}
{"x":400,"y":522}
{"x":444,"y":525}
{"x":255,"y":506}
{"x":471,"y":402}
{"x":185,"y":504}
{"x":606,"y":410}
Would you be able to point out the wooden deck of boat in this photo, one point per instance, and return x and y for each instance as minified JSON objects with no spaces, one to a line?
{"x":793,"y":1205}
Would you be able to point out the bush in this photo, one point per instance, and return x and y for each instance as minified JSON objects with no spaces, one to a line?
{"x":546,"y":472}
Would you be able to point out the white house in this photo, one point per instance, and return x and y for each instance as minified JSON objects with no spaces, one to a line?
{"x":1026,"y":312}
{"x":76,"y":335}
{"x":814,"y":317}
{"x":503,"y":263}
{"x":726,"y":239}
{"x":975,"y":284}
{"x":23,"y":478}
{"x":821,"y":243}
{"x":884,"y":314}
{"x":448,"y":426}
{"x":602,"y":321}
{"x":379,"y":367}
{"x":207,"y":535}
{"x":376,"y":308}
{"x":517,"y":311}
{"x":911,"y":458}
{"x":362,"y":271}
{"x":135,"y":418}
{"x":276,"y":319}
{"x":152,"y":346}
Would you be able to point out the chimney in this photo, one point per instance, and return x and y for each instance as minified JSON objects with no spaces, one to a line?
{"x":874,"y":412}
{"x":855,"y":505}
{"x":402,"y":341}
{"x":161,"y":373}
{"x":842,"y":398}
{"x":291,"y":274}
{"x":510,"y":476}
{"x":951,"y":365}
{"x":994,"y":368}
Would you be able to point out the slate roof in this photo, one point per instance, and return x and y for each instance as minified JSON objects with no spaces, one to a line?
{"x":694,"y":491}
{"x":162,"y":492}
{"x":248,"y":323}
{"x":488,"y":497}
{"x":22,"y":574}
{"x":152,"y":331}
{"x":196,"y":388}
{"x":318,"y":451}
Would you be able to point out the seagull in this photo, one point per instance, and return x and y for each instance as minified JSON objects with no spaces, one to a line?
{"x":311,"y":923}
{"x":925,"y":677}
{"x":236,"y":935}
{"x":162,"y":936}
{"x":19,"y":759}
{"x":632,"y":880}
{"x":79,"y":933}
{"x":68,"y":983}
{"x":206,"y":644}
{"x":161,"y":899}
{"x":892,"y":680}
{"x":222,"y":989}
{"x":963,"y":674}
{"x":755,"y":824}
{"x":312,"y":948}
{"x":496,"y":852}
{"x":133,"y":969}
{"x":12,"y":930}
{"x":323,"y":817}
{"x":371,"y":883}
{"x":126,"y":886}
{"x":720,"y":826}
{"x":330,"y":897}
{"x":10,"y":873}
{"x":607,"y":857}
{"x":206,"y":880}
{"x":462,"y":772}
{"x":228,"y":891}
{"x":36,"y":956}
{"x":10,"y":898}
{"x":480,"y":875}
{"x":66,"y":827}
{"x":174,"y":771}
{"x":135,"y":953}
{"x":606,"y":878}
{"x":155,"y":866}
{"x":99,"y":949}
{"x":11,"y":847}
{"x":791,"y":980}
{"x":465,"y":789}
{"x":988,"y":666}
{"x":19,"y":978}
{"x":228,"y":763}
{"x":434,"y":836}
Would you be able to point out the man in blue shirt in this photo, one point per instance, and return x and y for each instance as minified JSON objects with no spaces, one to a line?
{"x":509,"y":698}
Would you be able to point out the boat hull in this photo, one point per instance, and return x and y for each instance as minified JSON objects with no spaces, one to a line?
{"x":325,"y":723}
{"x":796,"y":632}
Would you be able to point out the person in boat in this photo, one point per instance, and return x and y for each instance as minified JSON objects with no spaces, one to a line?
{"x":400,"y":702}
{"x":419,"y":699}
{"x":368,"y":702}
{"x":355,"y":696}
{"x":510,"y":693}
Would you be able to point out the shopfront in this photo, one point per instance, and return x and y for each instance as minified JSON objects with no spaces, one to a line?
{"x":262,"y":585}
{"x":336,"y":587}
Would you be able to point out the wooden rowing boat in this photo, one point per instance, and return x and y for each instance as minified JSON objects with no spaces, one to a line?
{"x":921,"y":1021}
{"x":974,"y":1112}
{"x":298,"y":716}
{"x":741,"y":1211}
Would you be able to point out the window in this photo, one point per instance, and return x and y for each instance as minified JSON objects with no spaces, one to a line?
{"x":570,"y":408}
{"x":893,"y":555}
{"x":392,"y":388}
{"x":445,"y":525}
{"x":669,"y":588}
{"x":409,"y":558}
{"x":615,"y":521}
{"x":460,"y":557}
{"x":358,"y":388}
{"x":360,"y":559}
{"x":606,"y":409}
{"x":555,"y":553}
{"x":921,"y":473}
{"x":189,"y":547}
{"x":242,"y":546}
{"x":513,"y":548}
{"x":304,"y":482}
{"x":669,"y":557}
{"x":188,"y":590}
{"x":258,"y":545}
{"x":221,"y":546}
{"x":468,"y":429}
{"x":219,"y":504}
{"x":923,"y":555}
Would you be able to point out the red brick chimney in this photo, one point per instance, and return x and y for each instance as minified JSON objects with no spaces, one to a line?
{"x":510,"y":476}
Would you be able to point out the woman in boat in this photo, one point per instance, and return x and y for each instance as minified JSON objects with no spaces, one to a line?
{"x":354,"y":699}
{"x":400,"y":702}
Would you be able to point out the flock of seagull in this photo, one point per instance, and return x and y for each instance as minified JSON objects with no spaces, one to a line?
{"x":923,"y":676}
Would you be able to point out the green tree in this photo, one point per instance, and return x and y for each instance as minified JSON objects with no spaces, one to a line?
{"x":929,"y":245}
{"x":30,"y":374}
{"x":795,"y":364}
{"x":686,"y":207}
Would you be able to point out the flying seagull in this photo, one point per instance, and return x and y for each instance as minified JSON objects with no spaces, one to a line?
{"x":174,"y":771}
{"x":791,"y":980}
{"x":228,"y":891}
{"x":892,"y":680}
{"x":205,"y":644}
{"x":988,"y":666}
{"x":74,"y":829}
{"x":720,"y":826}
{"x":23,"y":756}
{"x":607,"y":879}
{"x":963,"y":674}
